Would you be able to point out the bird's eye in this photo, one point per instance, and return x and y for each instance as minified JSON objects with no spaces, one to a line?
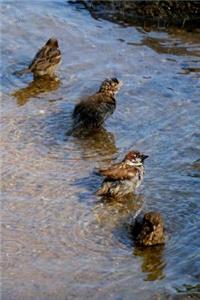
{"x":115,"y":80}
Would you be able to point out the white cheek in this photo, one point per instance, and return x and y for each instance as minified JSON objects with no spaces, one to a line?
{"x":130,"y":163}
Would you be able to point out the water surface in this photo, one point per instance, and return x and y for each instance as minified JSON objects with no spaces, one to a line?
{"x":58,"y":240}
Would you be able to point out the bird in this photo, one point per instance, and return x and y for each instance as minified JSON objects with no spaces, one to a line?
{"x":45,"y":61}
{"x":123,"y":178}
{"x":149,"y":230}
{"x":94,"y":110}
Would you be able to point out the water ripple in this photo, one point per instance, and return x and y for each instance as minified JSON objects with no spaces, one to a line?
{"x":59,"y":240}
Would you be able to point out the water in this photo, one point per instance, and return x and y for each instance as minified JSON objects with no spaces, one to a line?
{"x":58,"y":240}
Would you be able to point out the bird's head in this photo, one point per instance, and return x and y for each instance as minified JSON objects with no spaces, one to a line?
{"x":135,"y":158}
{"x":110,"y":86}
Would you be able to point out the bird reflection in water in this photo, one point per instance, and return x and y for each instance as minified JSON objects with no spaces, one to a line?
{"x":116,"y":210}
{"x":95,"y":143}
{"x":35,"y":88}
{"x":153,"y":262}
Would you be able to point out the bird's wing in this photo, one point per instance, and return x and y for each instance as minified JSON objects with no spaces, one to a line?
{"x":95,"y":104}
{"x":105,"y":103}
{"x":46,"y":56}
{"x":116,"y":172}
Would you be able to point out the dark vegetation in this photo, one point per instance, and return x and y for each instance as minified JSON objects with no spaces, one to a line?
{"x":158,"y":13}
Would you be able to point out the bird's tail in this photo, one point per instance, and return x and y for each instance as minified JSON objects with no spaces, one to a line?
{"x":22,"y":72}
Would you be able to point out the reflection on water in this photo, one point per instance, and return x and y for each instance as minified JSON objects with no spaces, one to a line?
{"x":189,"y":70}
{"x":35,"y":88}
{"x":99,"y":143}
{"x":152,"y":261}
{"x":192,"y":291}
{"x":115,"y":209}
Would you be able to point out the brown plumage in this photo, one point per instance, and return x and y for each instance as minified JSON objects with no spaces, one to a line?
{"x":124,"y":177}
{"x":150,"y":230}
{"x":45,"y":61}
{"x":92,"y":111}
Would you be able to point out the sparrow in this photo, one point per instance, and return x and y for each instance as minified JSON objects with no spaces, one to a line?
{"x":123,"y":178}
{"x":45,"y":61}
{"x":92,"y":111}
{"x":150,"y":230}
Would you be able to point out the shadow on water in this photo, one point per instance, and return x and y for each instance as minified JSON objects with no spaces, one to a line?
{"x":152,"y":261}
{"x":35,"y":88}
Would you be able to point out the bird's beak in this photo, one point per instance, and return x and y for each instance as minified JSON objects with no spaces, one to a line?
{"x":143,"y":157}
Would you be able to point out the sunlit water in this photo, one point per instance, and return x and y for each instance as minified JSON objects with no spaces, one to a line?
{"x":58,"y":240}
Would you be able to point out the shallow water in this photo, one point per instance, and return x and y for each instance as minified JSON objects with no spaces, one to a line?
{"x":58,"y":240}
